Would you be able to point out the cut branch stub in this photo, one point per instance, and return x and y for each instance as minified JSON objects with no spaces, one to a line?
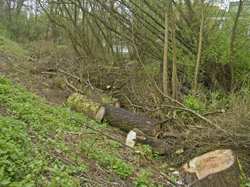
{"x":218,"y":168}
{"x":127,"y":120}
{"x":82,"y":103}
{"x":136,"y":136}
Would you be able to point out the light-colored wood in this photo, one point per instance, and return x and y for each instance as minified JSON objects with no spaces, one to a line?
{"x":218,"y":168}
{"x":136,"y":136}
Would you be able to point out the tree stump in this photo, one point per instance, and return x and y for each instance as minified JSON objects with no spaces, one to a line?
{"x":127,"y":120}
{"x":219,"y":168}
{"x":136,"y":136}
{"x":87,"y":106}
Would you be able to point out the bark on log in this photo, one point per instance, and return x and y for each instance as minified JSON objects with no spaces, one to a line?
{"x":219,"y":168}
{"x":82,"y":103}
{"x":136,"y":136}
{"x":127,"y":120}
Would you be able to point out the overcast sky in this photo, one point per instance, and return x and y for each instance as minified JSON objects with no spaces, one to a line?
{"x":224,"y":4}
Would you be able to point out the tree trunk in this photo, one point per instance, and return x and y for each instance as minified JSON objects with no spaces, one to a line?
{"x":136,"y":136}
{"x":165,"y":62}
{"x":19,"y":7}
{"x":232,"y":44}
{"x":218,"y":168}
{"x":127,"y":120}
{"x":199,"y":51}
{"x":174,"y":70}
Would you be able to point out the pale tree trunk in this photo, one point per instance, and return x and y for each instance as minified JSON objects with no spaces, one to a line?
{"x":232,"y":44}
{"x":165,"y":62}
{"x":174,"y":70}
{"x":78,"y":32}
{"x":19,"y":7}
{"x":199,"y":51}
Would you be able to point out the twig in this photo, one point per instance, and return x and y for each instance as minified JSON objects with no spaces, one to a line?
{"x":76,"y":90}
{"x":69,"y":74}
{"x":89,"y":82}
{"x":165,"y":120}
{"x":101,"y":133}
{"x":79,"y":79}
{"x":169,"y":179}
{"x":51,"y":73}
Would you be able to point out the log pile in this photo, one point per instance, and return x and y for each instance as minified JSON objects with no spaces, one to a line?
{"x":143,"y":126}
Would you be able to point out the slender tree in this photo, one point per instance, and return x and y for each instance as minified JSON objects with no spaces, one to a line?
{"x":199,"y":51}
{"x":165,"y":62}
{"x":174,"y":66}
{"x":232,"y":44}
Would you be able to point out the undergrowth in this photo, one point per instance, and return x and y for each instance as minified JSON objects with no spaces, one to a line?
{"x":12,"y":49}
{"x":36,"y":131}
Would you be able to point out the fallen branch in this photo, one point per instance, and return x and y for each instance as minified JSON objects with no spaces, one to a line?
{"x":101,"y":133}
{"x":169,"y":179}
{"x":70,"y":85}
{"x":68,"y":74}
{"x":189,"y":110}
{"x":51,"y":73}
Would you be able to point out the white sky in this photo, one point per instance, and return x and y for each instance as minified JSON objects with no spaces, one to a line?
{"x":224,"y":4}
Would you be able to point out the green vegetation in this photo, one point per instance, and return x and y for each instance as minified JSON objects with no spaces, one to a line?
{"x":144,"y":179}
{"x":62,"y":47}
{"x":41,"y":146}
{"x":12,"y":49}
{"x":29,"y":139}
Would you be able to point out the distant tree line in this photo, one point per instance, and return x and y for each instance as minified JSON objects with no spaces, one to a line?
{"x":198,"y":46}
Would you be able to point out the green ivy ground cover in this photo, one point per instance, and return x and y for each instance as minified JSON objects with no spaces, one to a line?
{"x":26,"y":156}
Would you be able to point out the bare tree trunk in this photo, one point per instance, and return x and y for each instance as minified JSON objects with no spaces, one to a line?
{"x":19,"y":7}
{"x":199,"y":51}
{"x":165,"y":62}
{"x":174,"y":71}
{"x":232,"y":43}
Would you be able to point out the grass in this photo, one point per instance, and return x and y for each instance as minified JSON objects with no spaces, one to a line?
{"x":36,"y":130}
{"x":12,"y":49}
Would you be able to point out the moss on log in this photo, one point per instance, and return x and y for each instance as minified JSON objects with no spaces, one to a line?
{"x":82,"y":103}
{"x":218,"y":168}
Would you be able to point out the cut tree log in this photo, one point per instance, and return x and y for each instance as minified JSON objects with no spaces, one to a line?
{"x":127,"y":120}
{"x":136,"y":136}
{"x":87,"y":106}
{"x":218,"y":168}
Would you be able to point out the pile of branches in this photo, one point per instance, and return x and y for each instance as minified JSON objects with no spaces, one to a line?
{"x":189,"y":134}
